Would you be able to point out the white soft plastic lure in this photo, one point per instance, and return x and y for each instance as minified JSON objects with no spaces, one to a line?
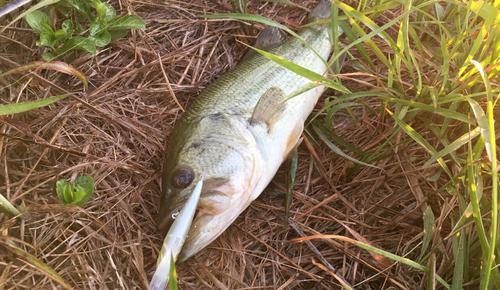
{"x":174,"y":240}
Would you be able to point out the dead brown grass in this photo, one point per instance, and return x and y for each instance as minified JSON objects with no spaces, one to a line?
{"x":138,"y":88}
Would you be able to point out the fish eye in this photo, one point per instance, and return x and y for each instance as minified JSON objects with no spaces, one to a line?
{"x":182,"y":178}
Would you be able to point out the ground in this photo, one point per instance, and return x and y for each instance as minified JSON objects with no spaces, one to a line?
{"x":118,"y":129}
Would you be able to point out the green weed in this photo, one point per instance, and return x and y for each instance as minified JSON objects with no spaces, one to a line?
{"x":76,"y":193}
{"x":95,"y":19}
{"x":437,"y":70}
{"x":455,"y":46}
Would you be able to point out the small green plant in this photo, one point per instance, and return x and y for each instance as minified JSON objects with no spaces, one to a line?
{"x":76,"y":193}
{"x":78,"y":14}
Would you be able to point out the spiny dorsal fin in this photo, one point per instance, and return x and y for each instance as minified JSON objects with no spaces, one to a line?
{"x":322,"y":11}
{"x":269,"y":108}
{"x":270,"y":37}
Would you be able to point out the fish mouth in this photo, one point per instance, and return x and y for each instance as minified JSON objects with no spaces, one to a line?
{"x":215,"y":199}
{"x":168,"y":213}
{"x":206,"y":224}
{"x":175,"y":238}
{"x":212,"y":202}
{"x":167,"y":222}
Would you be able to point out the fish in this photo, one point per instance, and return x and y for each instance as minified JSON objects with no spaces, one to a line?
{"x":239,"y":130}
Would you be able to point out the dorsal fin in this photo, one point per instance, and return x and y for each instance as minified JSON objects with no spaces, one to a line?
{"x":321,"y":12}
{"x":269,"y":38}
{"x":269,"y":108}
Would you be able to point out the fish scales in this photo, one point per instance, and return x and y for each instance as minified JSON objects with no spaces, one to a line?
{"x":237,"y":133}
{"x":239,"y":90}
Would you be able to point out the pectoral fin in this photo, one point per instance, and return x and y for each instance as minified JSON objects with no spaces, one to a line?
{"x":270,"y":108}
{"x":294,"y":138}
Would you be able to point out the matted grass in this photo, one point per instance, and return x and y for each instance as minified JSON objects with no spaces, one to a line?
{"x":138,"y":87}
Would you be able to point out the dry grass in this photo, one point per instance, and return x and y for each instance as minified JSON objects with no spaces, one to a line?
{"x":121,"y":124}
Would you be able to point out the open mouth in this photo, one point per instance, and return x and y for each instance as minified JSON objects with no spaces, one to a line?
{"x":179,"y":220}
{"x":214,"y":200}
{"x":173,"y":216}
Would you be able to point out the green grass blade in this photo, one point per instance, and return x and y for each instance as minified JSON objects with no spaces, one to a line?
{"x":420,"y":140}
{"x":7,"y":208}
{"x":403,"y":46}
{"x":334,"y":29}
{"x":292,"y":162}
{"x":483,"y":124}
{"x":348,"y":10}
{"x":378,"y":52}
{"x":459,"y":249}
{"x":302,"y":71}
{"x":337,"y":139}
{"x":459,"y":142}
{"x":26,"y":106}
{"x":380,"y":31}
{"x":263,"y":20}
{"x":445,"y":70}
{"x":285,"y":2}
{"x":442,"y":136}
{"x":490,"y":144}
{"x":440,"y":111}
{"x":172,"y":285}
{"x":473,"y":179}
{"x":416,"y":40}
{"x":338,"y":151}
{"x":377,"y":251}
{"x":382,"y":6}
{"x":353,"y":37}
{"x":411,"y":62}
{"x":400,"y":47}
{"x":51,"y":65}
{"x":489,"y":14}
{"x":37,"y":264}
{"x":349,"y":97}
{"x":431,"y":279}
{"x":477,"y":186}
{"x":300,"y":90}
{"x":428,"y":231}
{"x":334,"y":109}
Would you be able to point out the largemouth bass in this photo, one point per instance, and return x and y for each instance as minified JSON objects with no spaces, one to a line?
{"x":238,"y":131}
